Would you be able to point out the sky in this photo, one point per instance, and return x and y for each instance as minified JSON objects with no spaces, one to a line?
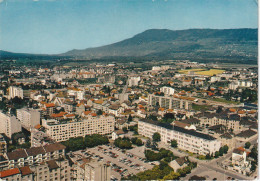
{"x":57,"y":26}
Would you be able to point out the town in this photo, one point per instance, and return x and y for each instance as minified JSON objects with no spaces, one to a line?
{"x":167,"y":120}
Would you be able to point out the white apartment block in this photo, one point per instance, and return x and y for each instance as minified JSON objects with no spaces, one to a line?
{"x":190,"y":140}
{"x":28,"y":117}
{"x":97,"y":171}
{"x":168,"y":102}
{"x":15,"y":92}
{"x":9,"y":124}
{"x":89,"y":169}
{"x":156,"y":68}
{"x":133,"y":81}
{"x":78,"y":93}
{"x":167,"y":90}
{"x":234,"y":85}
{"x":63,"y":130}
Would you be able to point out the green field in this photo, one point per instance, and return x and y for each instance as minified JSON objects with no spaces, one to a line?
{"x":197,"y":107}
{"x":224,"y":101}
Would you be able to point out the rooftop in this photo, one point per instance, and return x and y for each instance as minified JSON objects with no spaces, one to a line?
{"x":180,"y":129}
{"x":10,"y":172}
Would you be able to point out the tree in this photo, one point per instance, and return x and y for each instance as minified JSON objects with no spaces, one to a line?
{"x":130,"y":118}
{"x":220,"y":109}
{"x":148,"y":143}
{"x":99,"y":112}
{"x":254,"y":153}
{"x":156,"y":137}
{"x":208,"y":157}
{"x":139,"y":142}
{"x":216,"y":154}
{"x":253,"y":166}
{"x":172,"y":176}
{"x":154,"y":146}
{"x":125,"y":129}
{"x":221,"y":151}
{"x":123,"y":143}
{"x":247,"y":145}
{"x":174,"y":143}
{"x":133,"y":140}
{"x":225,"y":149}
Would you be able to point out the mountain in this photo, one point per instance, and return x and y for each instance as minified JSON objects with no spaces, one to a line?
{"x":12,"y":55}
{"x":202,"y":45}
{"x":193,"y":44}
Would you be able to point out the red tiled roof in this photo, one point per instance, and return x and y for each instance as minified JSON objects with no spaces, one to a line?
{"x":93,"y":114}
{"x":241,"y":112}
{"x":50,"y":105}
{"x":70,"y":115}
{"x":26,"y":170}
{"x":87,"y":112}
{"x":38,"y":126}
{"x":10,"y":172}
{"x":61,"y":114}
{"x":232,"y":110}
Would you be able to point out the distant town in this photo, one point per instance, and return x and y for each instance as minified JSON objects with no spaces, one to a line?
{"x":159,"y":120}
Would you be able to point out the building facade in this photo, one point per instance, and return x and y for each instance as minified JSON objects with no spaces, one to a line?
{"x":15,"y":92}
{"x":167,"y":90}
{"x":190,"y":140}
{"x":28,"y":117}
{"x":9,"y":124}
{"x":168,"y":102}
{"x":62,"y":131}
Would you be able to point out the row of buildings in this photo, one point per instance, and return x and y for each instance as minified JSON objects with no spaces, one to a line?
{"x":187,"y":139}
{"x":50,"y":163}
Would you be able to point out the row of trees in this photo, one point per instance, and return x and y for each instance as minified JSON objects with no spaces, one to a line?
{"x":89,"y":141}
{"x":254,"y":154}
{"x":222,"y":150}
{"x":126,"y":143}
{"x":167,"y":155}
{"x":163,"y":172}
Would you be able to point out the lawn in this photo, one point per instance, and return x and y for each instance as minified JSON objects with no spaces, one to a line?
{"x":224,"y":101}
{"x":197,"y":107}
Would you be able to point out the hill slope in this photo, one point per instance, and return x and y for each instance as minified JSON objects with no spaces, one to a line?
{"x":194,"y":44}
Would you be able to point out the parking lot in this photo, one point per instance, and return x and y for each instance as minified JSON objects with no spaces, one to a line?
{"x":122,"y":164}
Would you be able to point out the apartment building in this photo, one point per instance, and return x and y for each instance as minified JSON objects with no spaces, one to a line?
{"x":22,"y":174}
{"x":89,"y":169}
{"x":9,"y":124}
{"x":34,"y":155}
{"x":231,"y":121}
{"x":133,"y":81}
{"x":91,"y":124}
{"x":168,"y":102}
{"x":45,"y":171}
{"x":190,"y":140}
{"x":167,"y":90}
{"x":3,"y":145}
{"x":28,"y":117}
{"x":15,"y":92}
{"x":52,"y":170}
{"x":39,"y":138}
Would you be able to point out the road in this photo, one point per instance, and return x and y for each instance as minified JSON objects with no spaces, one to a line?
{"x":212,"y":165}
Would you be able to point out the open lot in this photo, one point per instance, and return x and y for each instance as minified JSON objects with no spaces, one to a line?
{"x":122,"y":164}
